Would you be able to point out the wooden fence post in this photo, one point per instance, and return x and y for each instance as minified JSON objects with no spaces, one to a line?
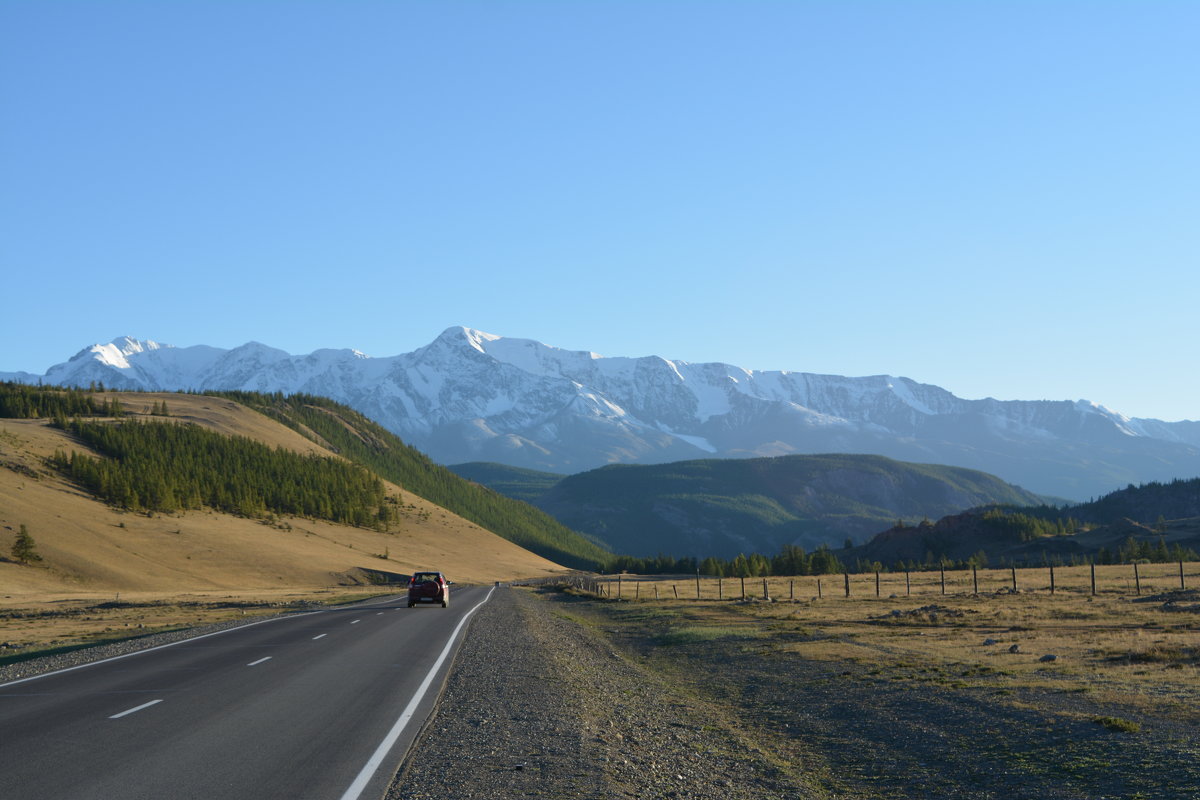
{"x":907,"y":584}
{"x":1137,"y":580}
{"x":1093,"y":579}
{"x":1051,"y":579}
{"x":766,"y":592}
{"x":847,"y":575}
{"x":743,"y":579}
{"x":943,"y":569}
{"x":877,"y":584}
{"x":656,"y":591}
{"x":1181,"y":586}
{"x":1014,"y":577}
{"x":720,"y":588}
{"x":697,"y":584}
{"x":637,"y":590}
{"x":618,"y":587}
{"x":675,"y":588}
{"x":975,"y":578}
{"x":819,"y":593}
{"x":792,"y":589}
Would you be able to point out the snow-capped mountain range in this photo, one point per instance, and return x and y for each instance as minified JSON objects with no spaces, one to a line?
{"x":474,"y":396}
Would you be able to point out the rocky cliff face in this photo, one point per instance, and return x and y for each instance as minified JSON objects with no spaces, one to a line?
{"x":472,"y":396}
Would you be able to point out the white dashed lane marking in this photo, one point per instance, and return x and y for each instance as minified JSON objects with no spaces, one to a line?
{"x":135,"y":709}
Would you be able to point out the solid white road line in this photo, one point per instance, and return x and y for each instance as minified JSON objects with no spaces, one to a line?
{"x":135,"y":709}
{"x":322,"y":636}
{"x":364,"y":776}
{"x":355,"y":622}
{"x":254,"y":663}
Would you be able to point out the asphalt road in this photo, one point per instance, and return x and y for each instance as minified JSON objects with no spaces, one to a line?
{"x":314,"y":705}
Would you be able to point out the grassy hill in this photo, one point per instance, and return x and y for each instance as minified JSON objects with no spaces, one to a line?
{"x":350,"y":434}
{"x":97,"y":548}
{"x":723,"y":507}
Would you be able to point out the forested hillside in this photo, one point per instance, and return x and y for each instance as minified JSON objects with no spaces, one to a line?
{"x":168,"y":466}
{"x":1155,"y":522}
{"x":357,"y":438}
{"x":723,"y":507}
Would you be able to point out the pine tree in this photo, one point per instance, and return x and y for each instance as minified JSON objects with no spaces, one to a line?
{"x":23,"y":550}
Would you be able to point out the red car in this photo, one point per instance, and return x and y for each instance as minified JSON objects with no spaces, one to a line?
{"x":428,"y":587}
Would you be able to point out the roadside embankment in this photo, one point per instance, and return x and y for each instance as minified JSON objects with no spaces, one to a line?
{"x":539,"y":705}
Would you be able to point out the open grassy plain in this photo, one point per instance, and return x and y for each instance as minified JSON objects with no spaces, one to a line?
{"x":106,"y":572}
{"x":980,"y":695}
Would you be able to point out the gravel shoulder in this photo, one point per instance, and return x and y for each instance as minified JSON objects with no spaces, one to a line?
{"x":539,"y":705}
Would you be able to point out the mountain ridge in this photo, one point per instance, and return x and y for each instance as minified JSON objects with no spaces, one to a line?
{"x":475,"y":396}
{"x":722,"y":507}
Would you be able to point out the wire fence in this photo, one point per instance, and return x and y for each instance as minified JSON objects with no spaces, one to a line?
{"x":1124,"y":579}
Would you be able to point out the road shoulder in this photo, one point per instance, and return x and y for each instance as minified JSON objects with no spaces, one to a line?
{"x":540,"y":705}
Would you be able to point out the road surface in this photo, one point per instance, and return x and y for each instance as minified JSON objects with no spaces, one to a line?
{"x":314,"y":705}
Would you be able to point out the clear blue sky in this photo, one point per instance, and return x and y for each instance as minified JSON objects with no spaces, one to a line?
{"x":1001,"y":198}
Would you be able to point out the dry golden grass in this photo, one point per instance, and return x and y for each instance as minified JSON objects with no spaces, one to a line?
{"x":92,"y":552}
{"x":922,"y":696}
{"x":1110,"y":579}
{"x":1115,"y":646}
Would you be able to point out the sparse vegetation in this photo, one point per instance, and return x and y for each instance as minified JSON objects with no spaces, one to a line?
{"x":1117,"y":724}
{"x":690,"y":634}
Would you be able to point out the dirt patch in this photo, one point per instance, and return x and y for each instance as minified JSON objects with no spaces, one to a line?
{"x":928,"y":615}
{"x":1185,"y":600}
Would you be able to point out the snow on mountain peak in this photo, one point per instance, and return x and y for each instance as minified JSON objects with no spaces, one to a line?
{"x":477,"y":339}
{"x":116,"y":353}
{"x":902,"y":388}
{"x":460,"y":334}
{"x":1124,"y":424}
